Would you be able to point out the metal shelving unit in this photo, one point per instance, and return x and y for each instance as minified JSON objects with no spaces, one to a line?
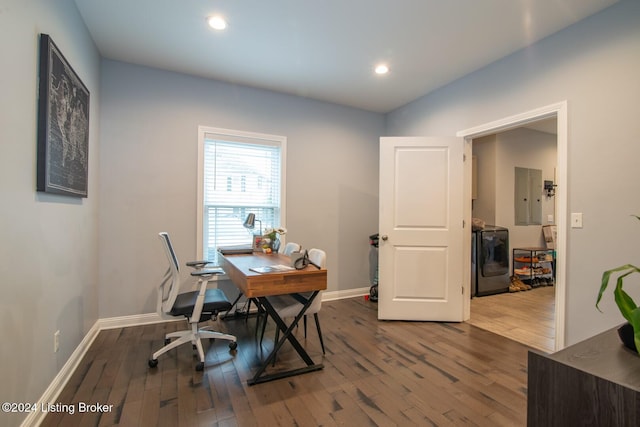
{"x":534,"y":266}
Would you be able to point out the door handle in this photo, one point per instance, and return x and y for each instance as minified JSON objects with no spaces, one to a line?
{"x":384,"y":237}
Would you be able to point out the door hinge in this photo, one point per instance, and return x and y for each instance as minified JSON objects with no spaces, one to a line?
{"x":463,"y":290}
{"x":464,"y":157}
{"x":464,"y":224}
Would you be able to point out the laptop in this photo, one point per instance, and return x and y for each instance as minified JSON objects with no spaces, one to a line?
{"x":235,"y":250}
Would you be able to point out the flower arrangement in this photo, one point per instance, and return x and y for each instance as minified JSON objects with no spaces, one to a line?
{"x":270,"y":241}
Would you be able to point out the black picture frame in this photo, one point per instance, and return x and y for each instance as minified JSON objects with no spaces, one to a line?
{"x":63,"y":125}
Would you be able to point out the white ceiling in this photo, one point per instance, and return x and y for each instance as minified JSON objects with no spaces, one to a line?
{"x":327,"y":49}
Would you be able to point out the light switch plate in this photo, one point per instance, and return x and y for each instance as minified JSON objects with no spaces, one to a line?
{"x":576,"y":220}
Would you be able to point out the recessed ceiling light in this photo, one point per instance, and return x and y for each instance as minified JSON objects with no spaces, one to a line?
{"x":217,"y":22}
{"x":382,"y":69}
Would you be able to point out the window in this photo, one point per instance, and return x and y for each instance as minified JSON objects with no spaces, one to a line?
{"x":238,"y":173}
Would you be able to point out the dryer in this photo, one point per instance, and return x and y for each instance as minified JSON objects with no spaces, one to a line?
{"x":490,"y":260}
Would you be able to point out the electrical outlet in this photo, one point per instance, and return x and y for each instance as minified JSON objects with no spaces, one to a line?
{"x":56,"y":341}
{"x":576,"y":220}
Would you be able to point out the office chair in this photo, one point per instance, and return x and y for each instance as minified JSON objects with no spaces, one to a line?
{"x":288,"y":306}
{"x":196,"y":306}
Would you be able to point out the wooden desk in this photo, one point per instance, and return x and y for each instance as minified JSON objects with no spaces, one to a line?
{"x":260,"y":285}
{"x":254,"y":285}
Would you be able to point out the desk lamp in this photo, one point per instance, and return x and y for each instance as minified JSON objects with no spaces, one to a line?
{"x":250,"y":222}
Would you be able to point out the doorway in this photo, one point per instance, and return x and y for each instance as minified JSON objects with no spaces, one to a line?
{"x":557,"y":292}
{"x":510,"y":168}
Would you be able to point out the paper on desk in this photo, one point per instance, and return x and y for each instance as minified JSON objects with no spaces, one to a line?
{"x":272,"y":268}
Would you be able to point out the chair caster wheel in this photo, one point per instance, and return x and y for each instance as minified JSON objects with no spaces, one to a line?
{"x":200,"y":367}
{"x":153,"y":363}
{"x":193,"y":346}
{"x":233,"y":345}
{"x":167,"y":341}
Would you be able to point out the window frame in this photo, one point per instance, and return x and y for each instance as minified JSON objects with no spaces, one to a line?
{"x":244,"y":137}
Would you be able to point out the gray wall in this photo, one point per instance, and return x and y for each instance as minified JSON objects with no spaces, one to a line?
{"x":49,"y":249}
{"x":149,"y":139}
{"x":594,"y":65}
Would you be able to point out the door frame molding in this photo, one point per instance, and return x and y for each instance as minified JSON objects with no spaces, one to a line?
{"x":560,"y":111}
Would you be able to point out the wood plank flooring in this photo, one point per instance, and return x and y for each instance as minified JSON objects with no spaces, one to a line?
{"x":377,"y":373}
{"x":525,"y":317}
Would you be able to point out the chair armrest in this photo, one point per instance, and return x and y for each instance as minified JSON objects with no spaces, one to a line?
{"x":203,"y":279}
{"x":207,"y":272}
{"x":197,"y":264}
{"x":205,"y":275}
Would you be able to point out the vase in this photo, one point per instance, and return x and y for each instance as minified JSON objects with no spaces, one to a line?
{"x":625,"y":332}
{"x":275,"y":244}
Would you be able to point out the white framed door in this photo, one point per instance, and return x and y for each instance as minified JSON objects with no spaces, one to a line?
{"x":421,"y":212}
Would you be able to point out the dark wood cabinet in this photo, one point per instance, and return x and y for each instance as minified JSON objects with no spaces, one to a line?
{"x":593,"y":383}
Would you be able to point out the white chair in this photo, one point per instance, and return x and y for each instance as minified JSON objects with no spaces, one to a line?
{"x":290,"y":248}
{"x":288,"y":306}
{"x":196,"y":306}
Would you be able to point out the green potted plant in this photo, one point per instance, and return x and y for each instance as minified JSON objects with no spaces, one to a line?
{"x":629,"y":333}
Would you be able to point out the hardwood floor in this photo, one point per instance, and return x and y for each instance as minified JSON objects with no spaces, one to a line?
{"x":377,"y":373}
{"x":525,"y":317}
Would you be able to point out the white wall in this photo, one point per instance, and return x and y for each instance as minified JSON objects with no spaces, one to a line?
{"x":594,"y":65}
{"x":530,"y":149}
{"x":48,"y":255}
{"x":484,"y":206}
{"x":150,"y":120}
{"x":498,"y":155}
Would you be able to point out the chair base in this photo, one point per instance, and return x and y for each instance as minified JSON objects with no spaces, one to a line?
{"x":193,"y":336}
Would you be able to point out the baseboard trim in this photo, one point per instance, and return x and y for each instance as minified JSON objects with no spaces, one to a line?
{"x":134,"y":320}
{"x":60,"y":381}
{"x":349,"y":293}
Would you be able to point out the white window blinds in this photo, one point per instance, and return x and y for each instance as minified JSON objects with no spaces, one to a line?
{"x":241,"y":175}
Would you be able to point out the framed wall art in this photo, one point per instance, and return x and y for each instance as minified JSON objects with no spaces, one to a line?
{"x":63,"y":125}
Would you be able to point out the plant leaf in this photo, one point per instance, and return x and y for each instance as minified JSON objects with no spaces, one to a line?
{"x":623,"y":300}
{"x":625,"y":303}
{"x":607,"y":275}
{"x":635,"y":322}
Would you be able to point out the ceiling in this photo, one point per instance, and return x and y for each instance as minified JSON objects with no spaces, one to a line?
{"x":327,"y":50}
